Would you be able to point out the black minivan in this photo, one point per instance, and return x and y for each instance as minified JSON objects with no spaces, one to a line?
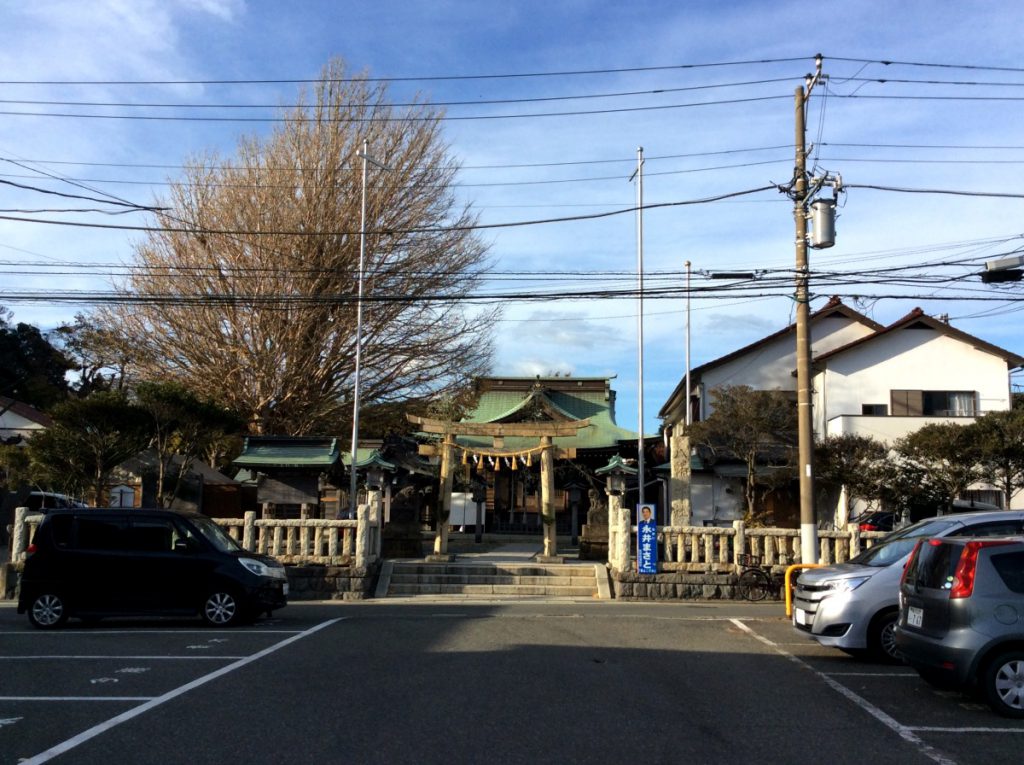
{"x":92,"y":563}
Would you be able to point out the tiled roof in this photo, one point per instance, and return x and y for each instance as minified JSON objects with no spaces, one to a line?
{"x":511,"y":405}
{"x":289,"y":452}
{"x":919,"y":317}
{"x":25,"y":411}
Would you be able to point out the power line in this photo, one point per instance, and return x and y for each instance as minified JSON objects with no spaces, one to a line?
{"x":401,"y":118}
{"x":418,"y":230}
{"x":421,"y":78}
{"x":397,"y":105}
{"x":887,"y":62}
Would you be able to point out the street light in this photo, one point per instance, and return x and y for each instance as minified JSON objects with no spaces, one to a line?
{"x":365,"y":156}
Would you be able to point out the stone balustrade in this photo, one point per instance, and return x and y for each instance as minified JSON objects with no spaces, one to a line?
{"x":299,"y":542}
{"x":357,"y":542}
{"x":713,"y":548}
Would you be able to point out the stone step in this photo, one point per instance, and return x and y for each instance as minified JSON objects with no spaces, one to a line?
{"x":492,"y":589}
{"x":480,"y":569}
{"x":400,"y":577}
{"x":503,"y":580}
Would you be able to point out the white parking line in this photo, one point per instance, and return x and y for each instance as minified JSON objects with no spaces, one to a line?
{"x":103,"y":727}
{"x":30,"y":657}
{"x":871,"y":674}
{"x":902,"y":731}
{"x":90,"y":632}
{"x":76,"y":698}
{"x":929,"y":729}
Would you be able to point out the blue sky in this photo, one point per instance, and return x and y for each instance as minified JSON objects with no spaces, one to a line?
{"x":523,"y":167}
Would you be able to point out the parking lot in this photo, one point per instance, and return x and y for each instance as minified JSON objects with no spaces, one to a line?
{"x":442,"y":682}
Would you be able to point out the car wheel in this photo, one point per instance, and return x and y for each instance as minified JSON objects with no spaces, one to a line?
{"x":47,"y":611}
{"x":882,"y":638}
{"x":222,"y":609}
{"x":1004,"y":684}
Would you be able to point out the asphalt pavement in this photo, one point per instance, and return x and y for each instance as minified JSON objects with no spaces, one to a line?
{"x":461,"y":682}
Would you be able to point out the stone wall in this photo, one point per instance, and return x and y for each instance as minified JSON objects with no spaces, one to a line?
{"x":8,"y":581}
{"x":332,"y":582}
{"x":679,"y":585}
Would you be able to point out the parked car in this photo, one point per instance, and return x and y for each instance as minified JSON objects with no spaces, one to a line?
{"x":112,"y":562}
{"x":36,"y":502}
{"x":961,"y":602}
{"x":853,"y":606}
{"x":887,"y":520}
{"x":877,"y":520}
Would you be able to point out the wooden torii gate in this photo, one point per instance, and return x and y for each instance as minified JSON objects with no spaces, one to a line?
{"x":544,"y":431}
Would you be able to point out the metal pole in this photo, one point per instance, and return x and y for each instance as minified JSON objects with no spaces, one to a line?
{"x":805,"y":424}
{"x":688,"y":407}
{"x":365,"y":156}
{"x":640,"y":319}
{"x":353,"y":485}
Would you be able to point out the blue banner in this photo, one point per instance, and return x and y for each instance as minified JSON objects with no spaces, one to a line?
{"x":646,"y":539}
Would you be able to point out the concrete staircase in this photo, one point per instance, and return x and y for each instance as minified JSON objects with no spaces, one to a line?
{"x":501,"y":581}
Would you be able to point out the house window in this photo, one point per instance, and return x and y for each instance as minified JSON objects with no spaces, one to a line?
{"x":934,"y":403}
{"x":874,"y":410}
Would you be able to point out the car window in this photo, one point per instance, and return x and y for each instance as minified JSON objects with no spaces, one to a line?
{"x":899,"y":544}
{"x":60,"y":530}
{"x":184,"y":531}
{"x":151,"y":535}
{"x":215,"y":535}
{"x":929,"y":527}
{"x":97,"y":532}
{"x":1005,"y":528}
{"x":935,"y":565}
{"x":1010,"y":567}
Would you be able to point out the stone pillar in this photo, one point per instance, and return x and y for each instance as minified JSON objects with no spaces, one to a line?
{"x":19,"y":541}
{"x":547,"y":497}
{"x":739,"y":545}
{"x":679,"y":481}
{"x":373,"y":499}
{"x":362,"y":536}
{"x":249,"y":531}
{"x":618,"y":534}
{"x":444,"y":508}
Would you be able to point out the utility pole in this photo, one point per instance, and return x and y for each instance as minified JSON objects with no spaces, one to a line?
{"x":805,"y":423}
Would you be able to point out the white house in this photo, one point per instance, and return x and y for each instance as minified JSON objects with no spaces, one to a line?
{"x":18,"y":421}
{"x":882,"y":382}
{"x":915,"y":371}
{"x":769,"y":363}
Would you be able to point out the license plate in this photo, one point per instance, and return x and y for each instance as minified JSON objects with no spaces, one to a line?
{"x":915,"y":617}
{"x":801,"y":617}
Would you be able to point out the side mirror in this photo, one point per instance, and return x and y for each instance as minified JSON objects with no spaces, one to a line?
{"x":183,"y":546}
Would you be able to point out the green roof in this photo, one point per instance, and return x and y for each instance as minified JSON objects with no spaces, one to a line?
{"x":552,"y":399}
{"x":288,"y":452}
{"x":365,"y":458}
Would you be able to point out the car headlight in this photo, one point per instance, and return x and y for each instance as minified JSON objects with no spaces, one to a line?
{"x":847,"y":584}
{"x":257,"y":567}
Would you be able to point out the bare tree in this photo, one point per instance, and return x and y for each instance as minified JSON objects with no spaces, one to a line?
{"x":247,"y":293}
{"x":756,"y":427}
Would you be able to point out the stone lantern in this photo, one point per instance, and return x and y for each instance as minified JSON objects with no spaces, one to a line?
{"x":618,"y":516}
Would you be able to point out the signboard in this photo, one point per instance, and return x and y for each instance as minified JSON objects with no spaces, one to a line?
{"x":646,"y":539}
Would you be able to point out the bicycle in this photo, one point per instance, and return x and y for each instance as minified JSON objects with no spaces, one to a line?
{"x":757,"y":581}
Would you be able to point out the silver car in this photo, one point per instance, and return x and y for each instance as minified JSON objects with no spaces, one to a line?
{"x":853,"y":606}
{"x":959,"y":623}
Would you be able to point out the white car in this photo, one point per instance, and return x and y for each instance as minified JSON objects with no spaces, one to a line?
{"x":853,"y":606}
